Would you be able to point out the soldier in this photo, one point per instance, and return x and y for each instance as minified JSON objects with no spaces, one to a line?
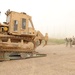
{"x":46,"y":39}
{"x":67,"y":41}
{"x":73,"y":40}
{"x":70,"y":41}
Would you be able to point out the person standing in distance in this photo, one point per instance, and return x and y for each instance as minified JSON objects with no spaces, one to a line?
{"x":67,"y":41}
{"x":70,"y":41}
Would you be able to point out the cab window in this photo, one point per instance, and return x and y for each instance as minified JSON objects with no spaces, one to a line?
{"x":23,"y":23}
{"x":8,"y":19}
{"x":15,"y":25}
{"x":30,"y":25}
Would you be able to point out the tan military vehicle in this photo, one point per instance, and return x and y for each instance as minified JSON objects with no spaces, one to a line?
{"x":18,"y":37}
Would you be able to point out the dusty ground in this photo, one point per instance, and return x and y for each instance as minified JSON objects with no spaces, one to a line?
{"x":60,"y":60}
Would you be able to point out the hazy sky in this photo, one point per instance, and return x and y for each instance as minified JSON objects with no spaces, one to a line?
{"x":57,"y":17}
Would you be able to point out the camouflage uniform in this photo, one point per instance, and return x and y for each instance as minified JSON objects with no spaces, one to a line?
{"x":73,"y":41}
{"x":67,"y":41}
{"x":70,"y":41}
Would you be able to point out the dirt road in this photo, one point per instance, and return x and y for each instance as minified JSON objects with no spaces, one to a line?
{"x":60,"y":60}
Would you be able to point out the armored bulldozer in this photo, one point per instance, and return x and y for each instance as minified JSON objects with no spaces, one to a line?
{"x":18,"y":37}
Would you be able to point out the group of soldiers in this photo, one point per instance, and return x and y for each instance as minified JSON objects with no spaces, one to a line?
{"x":70,"y":41}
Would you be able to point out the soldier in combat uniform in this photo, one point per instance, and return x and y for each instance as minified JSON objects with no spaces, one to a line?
{"x":67,"y":41}
{"x":70,"y":41}
{"x":73,"y":40}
